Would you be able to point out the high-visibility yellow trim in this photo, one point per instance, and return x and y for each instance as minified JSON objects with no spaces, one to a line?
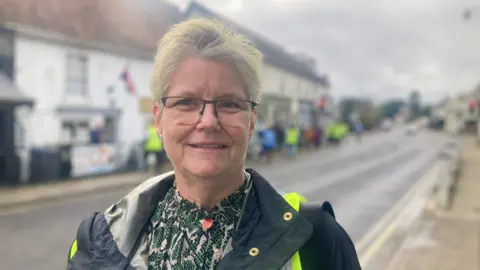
{"x":73,"y":249}
{"x":294,"y":199}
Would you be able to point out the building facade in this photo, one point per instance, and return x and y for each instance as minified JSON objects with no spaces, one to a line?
{"x":86,"y":77}
{"x":82,"y":80}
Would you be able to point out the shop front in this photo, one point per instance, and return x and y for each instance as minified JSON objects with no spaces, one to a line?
{"x":92,"y":137}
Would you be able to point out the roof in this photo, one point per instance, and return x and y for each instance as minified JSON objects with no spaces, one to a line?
{"x":273,"y":53}
{"x":136,"y":24}
{"x":10,"y":94}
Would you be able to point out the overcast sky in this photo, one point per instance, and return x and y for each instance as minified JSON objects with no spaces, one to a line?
{"x":376,"y":48}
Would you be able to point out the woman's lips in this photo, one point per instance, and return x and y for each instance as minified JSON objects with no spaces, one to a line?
{"x":208,"y":147}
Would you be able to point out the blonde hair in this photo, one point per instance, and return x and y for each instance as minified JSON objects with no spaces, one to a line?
{"x":210,"y":40}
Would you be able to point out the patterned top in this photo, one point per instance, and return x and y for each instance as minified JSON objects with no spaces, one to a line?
{"x":178,"y":241}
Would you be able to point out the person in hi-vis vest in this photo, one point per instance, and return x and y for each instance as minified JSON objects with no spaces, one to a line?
{"x":292,"y":140}
{"x":154,"y":145}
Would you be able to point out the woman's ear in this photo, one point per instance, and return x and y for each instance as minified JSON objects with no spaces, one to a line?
{"x":253,"y":121}
{"x":157,"y":117}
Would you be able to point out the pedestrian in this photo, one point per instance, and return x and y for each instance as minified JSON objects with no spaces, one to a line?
{"x":292,"y":140}
{"x":154,"y":146}
{"x":209,"y":212}
{"x":358,"y":131}
{"x":280,"y":135}
{"x":269,"y":141}
{"x":318,"y":134}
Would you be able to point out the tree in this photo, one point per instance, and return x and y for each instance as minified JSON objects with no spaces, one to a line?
{"x":414,"y":104}
{"x":391,"y":108}
{"x":365,"y":111}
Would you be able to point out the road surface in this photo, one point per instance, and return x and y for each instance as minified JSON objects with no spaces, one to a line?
{"x":362,"y":181}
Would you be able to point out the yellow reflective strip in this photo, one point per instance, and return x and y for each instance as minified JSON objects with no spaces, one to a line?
{"x":73,"y":249}
{"x":294,"y":199}
{"x":296,"y":264}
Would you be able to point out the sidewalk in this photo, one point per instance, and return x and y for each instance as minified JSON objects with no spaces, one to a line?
{"x":448,"y":240}
{"x":14,"y":197}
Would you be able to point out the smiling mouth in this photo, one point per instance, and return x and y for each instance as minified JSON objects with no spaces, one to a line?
{"x":208,"y":146}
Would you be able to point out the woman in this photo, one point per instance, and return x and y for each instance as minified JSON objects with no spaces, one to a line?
{"x":209,"y":213}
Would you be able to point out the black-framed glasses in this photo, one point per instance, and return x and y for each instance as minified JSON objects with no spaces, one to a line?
{"x":190,"y":109}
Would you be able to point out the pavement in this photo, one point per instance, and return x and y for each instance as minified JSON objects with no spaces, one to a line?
{"x":446,"y":239}
{"x":362,"y":181}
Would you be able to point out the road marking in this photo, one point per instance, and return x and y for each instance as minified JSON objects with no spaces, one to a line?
{"x":379,"y":243}
{"x":396,"y":214}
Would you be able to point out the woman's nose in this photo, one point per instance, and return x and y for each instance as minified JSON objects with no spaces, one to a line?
{"x":208,"y":118}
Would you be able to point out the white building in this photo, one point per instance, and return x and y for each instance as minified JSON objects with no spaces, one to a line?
{"x":74,"y":78}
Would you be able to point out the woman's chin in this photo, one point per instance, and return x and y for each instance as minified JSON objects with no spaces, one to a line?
{"x":207,"y":170}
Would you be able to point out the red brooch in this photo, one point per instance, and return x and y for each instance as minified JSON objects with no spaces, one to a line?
{"x":207,"y":223}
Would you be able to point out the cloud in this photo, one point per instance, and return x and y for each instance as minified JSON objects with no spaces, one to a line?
{"x":375,"y":48}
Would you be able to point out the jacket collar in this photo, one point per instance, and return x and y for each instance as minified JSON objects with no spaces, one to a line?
{"x":129,"y":217}
{"x":268,"y":224}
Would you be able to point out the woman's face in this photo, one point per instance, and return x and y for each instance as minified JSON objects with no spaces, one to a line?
{"x":212,"y":143}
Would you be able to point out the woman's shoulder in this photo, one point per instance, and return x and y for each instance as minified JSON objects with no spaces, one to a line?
{"x":329,"y":242}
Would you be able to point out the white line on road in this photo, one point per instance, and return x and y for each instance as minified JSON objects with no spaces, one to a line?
{"x":385,"y":227}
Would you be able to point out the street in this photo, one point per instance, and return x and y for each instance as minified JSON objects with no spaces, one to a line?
{"x":362,"y":181}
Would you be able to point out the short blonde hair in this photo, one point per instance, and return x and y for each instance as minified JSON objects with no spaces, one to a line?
{"x":211,"y":40}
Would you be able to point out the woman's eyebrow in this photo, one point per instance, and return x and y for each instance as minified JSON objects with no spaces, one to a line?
{"x":187,"y":93}
{"x":228,"y":95}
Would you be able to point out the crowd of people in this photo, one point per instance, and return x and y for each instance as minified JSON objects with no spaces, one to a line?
{"x":267,"y":142}
{"x":278,"y":138}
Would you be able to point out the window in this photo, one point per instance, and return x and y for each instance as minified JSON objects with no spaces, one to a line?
{"x":77,"y":75}
{"x":75,"y":132}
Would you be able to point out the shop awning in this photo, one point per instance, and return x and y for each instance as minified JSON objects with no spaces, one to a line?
{"x":10,"y":95}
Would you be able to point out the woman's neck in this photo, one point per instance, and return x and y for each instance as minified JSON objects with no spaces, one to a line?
{"x":207,"y":193}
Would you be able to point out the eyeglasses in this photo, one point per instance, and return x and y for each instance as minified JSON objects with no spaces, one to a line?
{"x":189,"y":109}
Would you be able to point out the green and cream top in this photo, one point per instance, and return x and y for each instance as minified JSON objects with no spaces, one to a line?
{"x":178,"y":239}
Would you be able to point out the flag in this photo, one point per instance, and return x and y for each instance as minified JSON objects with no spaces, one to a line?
{"x":127,"y":80}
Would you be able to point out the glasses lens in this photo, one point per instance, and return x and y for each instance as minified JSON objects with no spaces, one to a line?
{"x":185,"y":110}
{"x":233,"y":112}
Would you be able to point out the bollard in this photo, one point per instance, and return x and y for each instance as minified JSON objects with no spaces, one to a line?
{"x":444,"y":187}
{"x":449,"y":158}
